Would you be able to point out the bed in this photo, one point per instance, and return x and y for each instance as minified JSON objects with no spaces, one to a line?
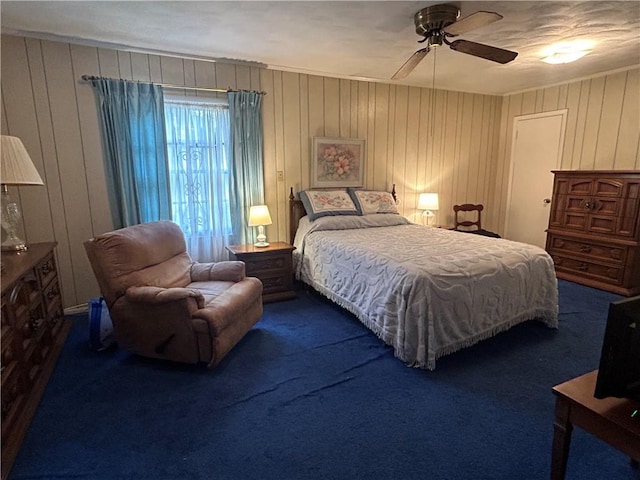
{"x":426,"y":292}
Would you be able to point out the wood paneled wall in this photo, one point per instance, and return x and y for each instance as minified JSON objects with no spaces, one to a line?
{"x":602,"y":132}
{"x":447,"y":149}
{"x":456,"y":144}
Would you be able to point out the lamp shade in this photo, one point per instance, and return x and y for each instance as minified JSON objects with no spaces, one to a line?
{"x":17,"y":167}
{"x":259,"y":215}
{"x":428,"y":201}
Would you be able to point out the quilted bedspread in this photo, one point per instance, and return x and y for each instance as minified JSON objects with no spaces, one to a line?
{"x":427,"y":292}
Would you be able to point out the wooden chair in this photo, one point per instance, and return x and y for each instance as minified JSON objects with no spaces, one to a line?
{"x":467,"y":225}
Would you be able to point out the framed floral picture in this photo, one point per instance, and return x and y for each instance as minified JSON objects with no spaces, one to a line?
{"x":337,"y":162}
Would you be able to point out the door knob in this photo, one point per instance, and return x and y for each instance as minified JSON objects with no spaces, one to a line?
{"x":546,"y":201}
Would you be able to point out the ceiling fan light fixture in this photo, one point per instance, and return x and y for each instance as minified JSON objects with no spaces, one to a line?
{"x":566,"y":52}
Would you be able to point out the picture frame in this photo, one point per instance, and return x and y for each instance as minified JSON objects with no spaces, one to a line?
{"x":337,"y":162}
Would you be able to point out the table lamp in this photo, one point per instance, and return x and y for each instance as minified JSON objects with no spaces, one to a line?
{"x":259,"y":217}
{"x":17,"y":169}
{"x":428,"y":202}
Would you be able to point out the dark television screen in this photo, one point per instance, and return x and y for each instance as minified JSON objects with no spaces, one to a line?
{"x":619,"y":372}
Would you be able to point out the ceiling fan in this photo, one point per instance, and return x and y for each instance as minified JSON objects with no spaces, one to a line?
{"x":439,"y":22}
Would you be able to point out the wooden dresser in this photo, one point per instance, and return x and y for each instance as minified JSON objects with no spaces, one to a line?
{"x":33,"y":332}
{"x":594,"y":229}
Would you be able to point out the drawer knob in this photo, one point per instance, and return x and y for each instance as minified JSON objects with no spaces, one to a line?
{"x":585,"y":248}
{"x":583,"y":267}
{"x":34,"y":324}
{"x":589,"y":205}
{"x":46,"y":269}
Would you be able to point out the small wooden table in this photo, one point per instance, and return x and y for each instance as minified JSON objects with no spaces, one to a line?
{"x":608,"y":419}
{"x":273,"y":265}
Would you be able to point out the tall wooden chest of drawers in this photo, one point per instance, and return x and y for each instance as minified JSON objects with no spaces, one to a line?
{"x":33,"y":332}
{"x":594,"y":229}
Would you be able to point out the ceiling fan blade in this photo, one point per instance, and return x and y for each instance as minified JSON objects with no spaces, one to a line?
{"x":473,"y":21}
{"x":494,"y":54}
{"x":410,"y":64}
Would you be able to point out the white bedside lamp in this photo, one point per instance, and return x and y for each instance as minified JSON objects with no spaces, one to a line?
{"x":259,"y":217}
{"x":17,"y":169}
{"x":428,"y":202}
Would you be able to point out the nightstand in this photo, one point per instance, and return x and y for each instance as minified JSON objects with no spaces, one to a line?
{"x":273,"y":265}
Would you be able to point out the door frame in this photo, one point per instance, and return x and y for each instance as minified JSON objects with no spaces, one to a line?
{"x":563,"y":113}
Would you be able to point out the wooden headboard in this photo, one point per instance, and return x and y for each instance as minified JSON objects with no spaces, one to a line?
{"x":297,"y":211}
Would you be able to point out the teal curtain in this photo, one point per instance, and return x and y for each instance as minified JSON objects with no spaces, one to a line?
{"x":133,"y":139}
{"x":247,"y":171}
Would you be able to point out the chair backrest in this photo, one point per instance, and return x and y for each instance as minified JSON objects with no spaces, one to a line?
{"x":153,"y":254}
{"x":468,"y":207}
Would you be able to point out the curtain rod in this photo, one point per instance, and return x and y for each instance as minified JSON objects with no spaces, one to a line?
{"x":88,"y":78}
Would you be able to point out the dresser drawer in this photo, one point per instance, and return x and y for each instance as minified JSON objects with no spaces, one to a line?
{"x":597,"y":205}
{"x":47,"y":270}
{"x":594,"y":223}
{"x":268,"y":264}
{"x":52,"y":297}
{"x":611,"y":254}
{"x":56,"y":322}
{"x":274,"y":271}
{"x":13,"y":391}
{"x":36,"y":340}
{"x":24,"y":299}
{"x":275,"y":283}
{"x":582,"y":267}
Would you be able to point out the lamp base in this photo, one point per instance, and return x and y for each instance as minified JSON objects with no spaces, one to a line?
{"x":261,"y":238}
{"x":14,"y":248}
{"x":14,"y":244}
{"x":10,"y":221}
{"x":428,"y":218}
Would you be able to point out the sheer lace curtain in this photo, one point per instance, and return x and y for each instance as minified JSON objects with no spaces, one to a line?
{"x":198,"y":158}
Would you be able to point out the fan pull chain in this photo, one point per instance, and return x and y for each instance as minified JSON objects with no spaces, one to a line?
{"x":433,"y":98}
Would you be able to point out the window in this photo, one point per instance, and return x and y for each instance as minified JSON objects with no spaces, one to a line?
{"x":198,"y":158}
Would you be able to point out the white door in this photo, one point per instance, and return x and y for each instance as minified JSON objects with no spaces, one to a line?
{"x":537,"y":145}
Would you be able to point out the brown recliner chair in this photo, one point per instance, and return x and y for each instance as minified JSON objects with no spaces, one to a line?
{"x":165,"y":305}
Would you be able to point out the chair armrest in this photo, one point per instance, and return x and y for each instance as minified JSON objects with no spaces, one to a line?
{"x":157,"y":295}
{"x":226,"y":271}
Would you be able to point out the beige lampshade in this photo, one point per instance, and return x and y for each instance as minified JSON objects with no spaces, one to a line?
{"x":17,"y":167}
{"x":428,"y":201}
{"x":259,"y":215}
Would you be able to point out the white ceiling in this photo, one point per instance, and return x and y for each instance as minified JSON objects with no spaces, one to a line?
{"x":347,"y":39}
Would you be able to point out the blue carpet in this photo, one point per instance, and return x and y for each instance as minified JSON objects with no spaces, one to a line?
{"x":310,"y":393}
